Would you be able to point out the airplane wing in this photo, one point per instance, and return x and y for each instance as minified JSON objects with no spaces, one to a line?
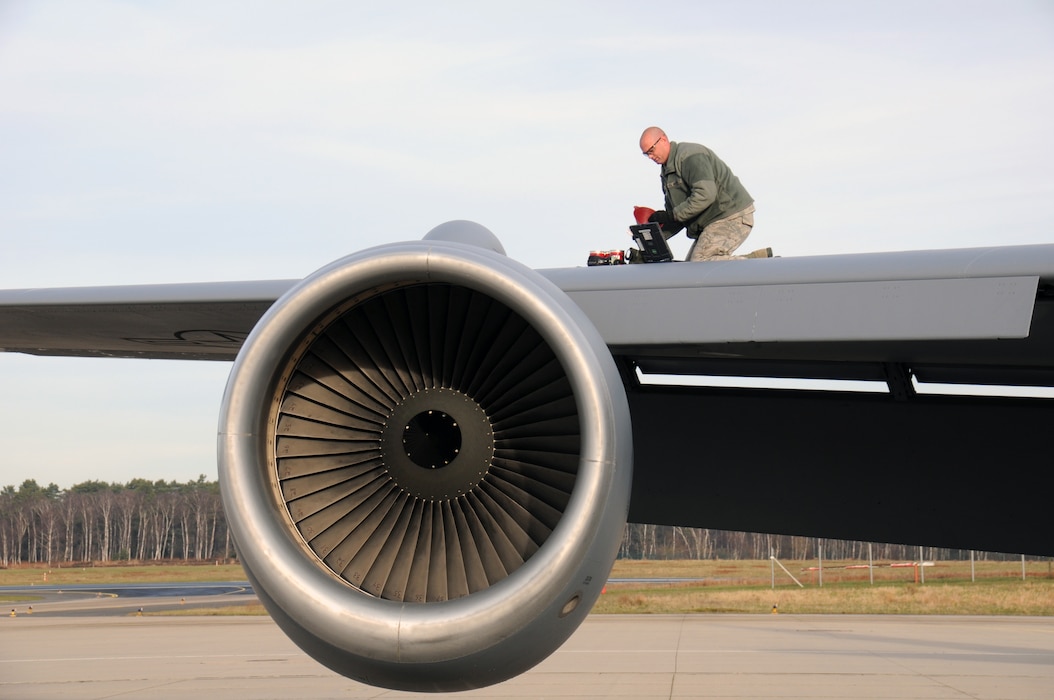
{"x":433,"y":423}
{"x":949,"y":313}
{"x":205,"y":321}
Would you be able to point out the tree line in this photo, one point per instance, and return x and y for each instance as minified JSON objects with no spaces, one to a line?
{"x":665,"y":542}
{"x":99,"y":522}
{"x":162,"y":521}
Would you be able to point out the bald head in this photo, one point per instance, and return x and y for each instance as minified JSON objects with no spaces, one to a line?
{"x":654,"y":144}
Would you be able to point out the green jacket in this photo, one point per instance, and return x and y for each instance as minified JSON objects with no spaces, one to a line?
{"x":699,"y":188}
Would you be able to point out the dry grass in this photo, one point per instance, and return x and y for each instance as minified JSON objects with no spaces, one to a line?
{"x":714,"y":586}
{"x":983,"y":598}
{"x":720,"y":572}
{"x":225,"y":611}
{"x":746,"y":587}
{"x":29,"y":575}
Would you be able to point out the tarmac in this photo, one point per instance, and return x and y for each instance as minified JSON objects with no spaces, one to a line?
{"x":46,"y":656}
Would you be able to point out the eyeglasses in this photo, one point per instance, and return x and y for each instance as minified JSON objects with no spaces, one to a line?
{"x":651,"y":150}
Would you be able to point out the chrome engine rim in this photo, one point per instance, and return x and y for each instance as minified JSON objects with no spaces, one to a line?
{"x":352,"y":628}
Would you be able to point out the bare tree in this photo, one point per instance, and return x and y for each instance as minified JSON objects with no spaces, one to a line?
{"x":47,"y":513}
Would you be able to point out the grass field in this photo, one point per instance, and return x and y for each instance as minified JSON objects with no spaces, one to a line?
{"x":950,"y":588}
{"x":711,"y":586}
{"x":28,"y":575}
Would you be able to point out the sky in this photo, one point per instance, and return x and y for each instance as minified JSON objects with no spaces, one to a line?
{"x":145,"y":142}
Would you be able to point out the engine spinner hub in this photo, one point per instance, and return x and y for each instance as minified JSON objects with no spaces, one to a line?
{"x":437,"y":444}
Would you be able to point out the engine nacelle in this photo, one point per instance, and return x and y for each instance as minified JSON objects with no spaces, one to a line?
{"x":425,"y":457}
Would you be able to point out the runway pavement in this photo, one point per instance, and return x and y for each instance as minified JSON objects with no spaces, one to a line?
{"x":616,"y":656}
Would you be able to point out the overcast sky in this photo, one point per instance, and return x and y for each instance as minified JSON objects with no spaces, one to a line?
{"x":173,"y":142}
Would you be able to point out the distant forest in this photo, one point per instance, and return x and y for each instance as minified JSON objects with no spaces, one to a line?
{"x":144,"y":521}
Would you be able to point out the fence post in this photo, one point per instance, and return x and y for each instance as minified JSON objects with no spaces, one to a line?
{"x":819,"y":547}
{"x":870,"y":564}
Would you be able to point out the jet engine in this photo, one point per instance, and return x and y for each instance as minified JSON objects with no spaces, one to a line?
{"x":425,"y":457}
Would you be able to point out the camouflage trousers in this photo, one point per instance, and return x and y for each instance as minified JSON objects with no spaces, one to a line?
{"x":721,"y":238}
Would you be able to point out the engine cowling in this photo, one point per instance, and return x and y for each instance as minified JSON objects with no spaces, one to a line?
{"x":425,"y":458}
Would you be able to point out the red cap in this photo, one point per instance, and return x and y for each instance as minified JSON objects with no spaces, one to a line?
{"x":641,"y":214}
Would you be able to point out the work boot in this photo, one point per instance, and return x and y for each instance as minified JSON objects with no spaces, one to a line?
{"x":760,"y":253}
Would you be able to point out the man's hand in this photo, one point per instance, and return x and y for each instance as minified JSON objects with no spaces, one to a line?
{"x":663,"y":219}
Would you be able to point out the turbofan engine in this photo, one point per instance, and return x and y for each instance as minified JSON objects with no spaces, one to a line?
{"x":425,"y":459}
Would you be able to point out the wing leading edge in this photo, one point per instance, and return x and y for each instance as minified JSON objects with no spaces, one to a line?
{"x":207,"y":321}
{"x":719,"y":310}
